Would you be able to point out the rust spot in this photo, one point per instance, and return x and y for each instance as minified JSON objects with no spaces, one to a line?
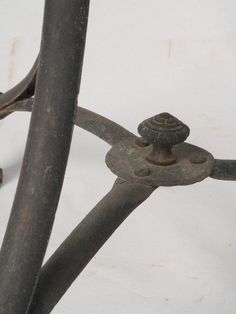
{"x":14,"y":47}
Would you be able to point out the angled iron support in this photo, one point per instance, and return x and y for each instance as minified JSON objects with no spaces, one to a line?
{"x":83,"y":243}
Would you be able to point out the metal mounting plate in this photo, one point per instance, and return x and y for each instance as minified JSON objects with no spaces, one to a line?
{"x":128,"y":161}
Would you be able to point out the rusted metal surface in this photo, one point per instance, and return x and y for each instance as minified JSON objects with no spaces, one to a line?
{"x":224,"y":170}
{"x":129,"y":161}
{"x":47,"y":149}
{"x":163,"y":131}
{"x":155,"y":159}
{"x":158,"y":158}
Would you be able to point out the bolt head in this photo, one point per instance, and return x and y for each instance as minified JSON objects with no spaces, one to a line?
{"x":198,"y":159}
{"x":164,"y":130}
{"x":142,"y":172}
{"x":141,"y":142}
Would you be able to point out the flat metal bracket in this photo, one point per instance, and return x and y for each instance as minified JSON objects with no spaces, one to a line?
{"x":129,"y":161}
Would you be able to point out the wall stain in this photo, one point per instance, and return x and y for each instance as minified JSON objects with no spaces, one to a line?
{"x":13,"y":51}
{"x":169,"y":49}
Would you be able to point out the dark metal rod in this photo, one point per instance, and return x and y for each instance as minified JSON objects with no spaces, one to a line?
{"x":48,"y":144}
{"x":83,"y":243}
{"x":224,"y":170}
{"x":21,"y":105}
{"x":107,"y":130}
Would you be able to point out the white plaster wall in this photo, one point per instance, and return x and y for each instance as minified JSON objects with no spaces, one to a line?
{"x":176,"y":253}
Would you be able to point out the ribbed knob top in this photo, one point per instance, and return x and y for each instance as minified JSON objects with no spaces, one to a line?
{"x":164,"y":130}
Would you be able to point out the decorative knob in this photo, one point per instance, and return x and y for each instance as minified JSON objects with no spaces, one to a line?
{"x":163,"y":131}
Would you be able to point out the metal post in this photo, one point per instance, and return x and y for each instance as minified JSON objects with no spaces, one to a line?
{"x":42,"y":174}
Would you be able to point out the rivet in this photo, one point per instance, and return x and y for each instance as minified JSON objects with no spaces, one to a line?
{"x":198,"y":159}
{"x":143,"y":172}
{"x":141,"y":142}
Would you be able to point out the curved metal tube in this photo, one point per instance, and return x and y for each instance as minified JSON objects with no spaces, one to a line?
{"x":47,"y":149}
{"x":22,"y":90}
{"x":107,"y":130}
{"x":84,"y":242}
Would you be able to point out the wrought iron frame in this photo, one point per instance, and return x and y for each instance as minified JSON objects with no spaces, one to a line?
{"x":50,"y":91}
